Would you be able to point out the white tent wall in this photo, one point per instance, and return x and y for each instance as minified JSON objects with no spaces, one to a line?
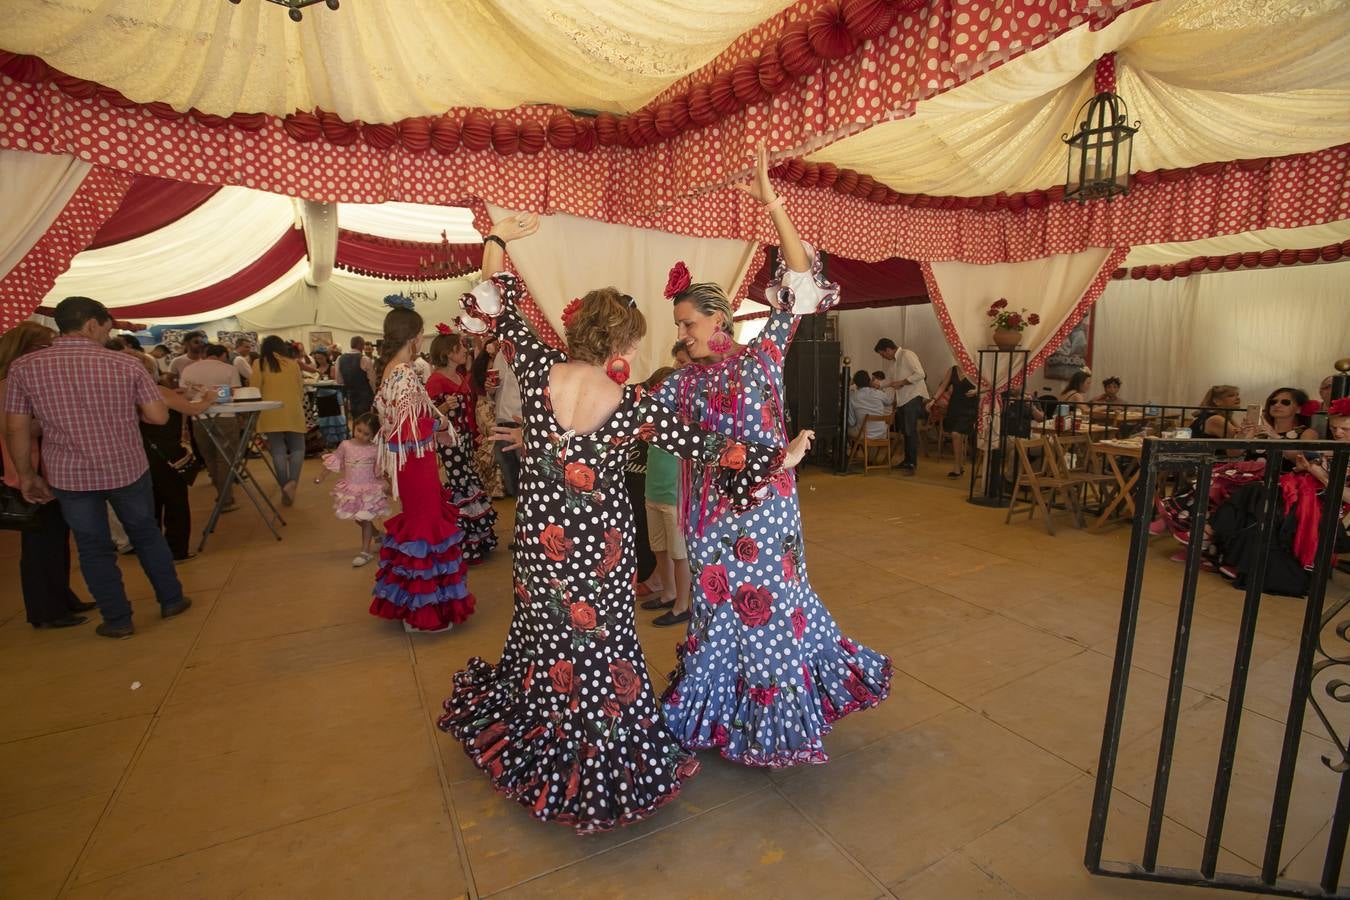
{"x":912,"y":327}
{"x":1259,"y":329}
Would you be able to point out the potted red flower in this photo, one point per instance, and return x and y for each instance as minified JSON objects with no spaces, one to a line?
{"x":1008,"y":324}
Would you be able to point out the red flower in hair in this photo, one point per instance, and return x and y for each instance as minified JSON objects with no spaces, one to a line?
{"x":569,"y":311}
{"x":1339,"y":407}
{"x":442,"y":328}
{"x":678,"y":280}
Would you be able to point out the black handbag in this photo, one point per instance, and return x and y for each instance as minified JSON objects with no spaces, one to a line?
{"x":16,"y":513}
{"x":188,"y":466}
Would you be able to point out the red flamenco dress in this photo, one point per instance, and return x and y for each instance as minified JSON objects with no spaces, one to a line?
{"x":422,"y":579}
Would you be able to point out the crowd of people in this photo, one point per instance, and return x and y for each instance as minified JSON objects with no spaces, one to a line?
{"x":566,"y":721}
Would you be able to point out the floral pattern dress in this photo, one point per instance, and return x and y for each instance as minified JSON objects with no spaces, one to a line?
{"x":764,"y":671}
{"x":421,"y":579}
{"x":567,"y":723}
{"x":476,"y":515}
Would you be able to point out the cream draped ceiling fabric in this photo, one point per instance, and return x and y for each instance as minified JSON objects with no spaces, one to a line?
{"x":1259,"y":329}
{"x":34,"y":188}
{"x":410,"y":221}
{"x":380,"y":61}
{"x":569,"y":257}
{"x":224,"y":235}
{"x":1264,"y":239}
{"x":1209,"y":80}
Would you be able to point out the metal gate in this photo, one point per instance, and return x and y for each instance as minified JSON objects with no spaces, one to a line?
{"x":1323,"y":652}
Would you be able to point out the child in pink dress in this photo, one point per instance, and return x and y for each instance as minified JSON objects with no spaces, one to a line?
{"x":361,"y":494}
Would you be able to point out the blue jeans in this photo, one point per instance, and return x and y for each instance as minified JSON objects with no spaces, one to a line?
{"x":288,"y":454}
{"x":87,"y":514}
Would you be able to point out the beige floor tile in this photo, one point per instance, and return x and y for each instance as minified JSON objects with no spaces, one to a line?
{"x":1194,"y":761}
{"x":266,"y":754}
{"x":1039,"y":853}
{"x":507,"y":846}
{"x":1270,"y":686}
{"x":903,"y":803}
{"x":1086,"y":613}
{"x":912,"y":622}
{"x":756,"y":847}
{"x":1062,"y":707}
{"x":995,"y":652}
{"x":38,"y":848}
{"x":67,"y":766}
{"x":397,"y":846}
{"x":1307,"y":863}
{"x":955,"y":876}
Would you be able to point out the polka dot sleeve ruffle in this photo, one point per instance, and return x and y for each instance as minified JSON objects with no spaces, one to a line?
{"x":492,"y":306}
{"x":744,"y":473}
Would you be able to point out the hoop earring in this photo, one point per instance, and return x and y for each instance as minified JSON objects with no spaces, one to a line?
{"x":617,"y":370}
{"x":719,"y":342}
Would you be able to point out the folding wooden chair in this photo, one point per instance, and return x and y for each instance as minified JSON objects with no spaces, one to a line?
{"x":862,"y":444}
{"x":1071,"y":457}
{"x":1042,"y":483}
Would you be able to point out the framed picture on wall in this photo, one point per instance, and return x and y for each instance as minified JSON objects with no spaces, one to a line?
{"x":319,"y":339}
{"x":1074,"y":354}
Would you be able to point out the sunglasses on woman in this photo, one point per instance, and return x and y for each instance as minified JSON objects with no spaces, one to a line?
{"x":1282,"y":401}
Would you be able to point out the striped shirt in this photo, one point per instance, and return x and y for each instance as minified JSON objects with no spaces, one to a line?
{"x":86,"y":398}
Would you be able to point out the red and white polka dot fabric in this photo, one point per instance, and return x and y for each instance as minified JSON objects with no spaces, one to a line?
{"x":24,"y":286}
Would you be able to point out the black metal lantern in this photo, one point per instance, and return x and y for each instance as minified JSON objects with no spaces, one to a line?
{"x":1100,"y":151}
{"x":294,"y":6}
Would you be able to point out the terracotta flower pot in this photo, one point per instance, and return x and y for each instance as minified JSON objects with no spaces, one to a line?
{"x":1007,"y":338}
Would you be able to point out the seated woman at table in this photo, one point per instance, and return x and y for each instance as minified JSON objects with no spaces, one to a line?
{"x":1294,"y":544}
{"x":1076,"y":390}
{"x":1218,"y":424}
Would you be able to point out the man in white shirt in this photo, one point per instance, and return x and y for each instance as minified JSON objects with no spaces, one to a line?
{"x":243,"y":362}
{"x":194,"y":345}
{"x":208,"y":373}
{"x":904,"y":373}
{"x":866,"y":400}
{"x":508,"y":413}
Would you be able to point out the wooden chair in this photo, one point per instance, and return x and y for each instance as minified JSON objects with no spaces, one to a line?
{"x":1041,"y":482}
{"x":1072,"y":459}
{"x":862,"y":444}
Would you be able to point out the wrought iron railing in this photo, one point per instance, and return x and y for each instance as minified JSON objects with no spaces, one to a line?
{"x":1314,"y":658}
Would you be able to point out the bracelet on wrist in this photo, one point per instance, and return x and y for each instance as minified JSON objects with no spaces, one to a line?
{"x":775,"y":203}
{"x":493,"y":239}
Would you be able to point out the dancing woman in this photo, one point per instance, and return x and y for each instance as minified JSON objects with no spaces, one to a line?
{"x":450,"y":392}
{"x":421,"y":580}
{"x":764,"y":671}
{"x":567,"y":722}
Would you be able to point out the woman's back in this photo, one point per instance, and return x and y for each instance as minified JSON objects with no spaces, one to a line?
{"x":583,"y":398}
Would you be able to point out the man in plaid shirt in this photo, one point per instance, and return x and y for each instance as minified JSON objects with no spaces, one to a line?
{"x":87,"y":400}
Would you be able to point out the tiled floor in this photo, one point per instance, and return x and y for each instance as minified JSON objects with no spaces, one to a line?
{"x":277,"y":741}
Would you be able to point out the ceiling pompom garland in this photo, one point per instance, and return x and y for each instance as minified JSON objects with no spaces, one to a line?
{"x":1250,"y":259}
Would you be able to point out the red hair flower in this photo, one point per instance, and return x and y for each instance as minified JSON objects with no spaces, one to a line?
{"x":1339,"y":407}
{"x":569,"y":311}
{"x":678,"y":280}
{"x":442,"y":328}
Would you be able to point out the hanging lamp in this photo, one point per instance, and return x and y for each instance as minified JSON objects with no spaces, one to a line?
{"x":1100,"y":151}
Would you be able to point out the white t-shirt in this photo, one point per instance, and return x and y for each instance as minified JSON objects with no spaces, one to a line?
{"x":209,"y":373}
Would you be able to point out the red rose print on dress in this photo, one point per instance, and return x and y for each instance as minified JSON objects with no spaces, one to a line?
{"x":733,"y":456}
{"x":612,"y":552}
{"x":626,"y":683}
{"x":522,"y":593}
{"x":783,"y":483}
{"x":579,"y":476}
{"x":753,"y":604}
{"x":764,"y":696}
{"x":687,"y":767}
{"x":771,"y":351}
{"x":716,"y":587}
{"x":555,"y":543}
{"x":806,"y":677}
{"x":745,"y":549}
{"x":848,"y":645}
{"x":527,"y":680}
{"x":767,"y":420}
{"x":789,"y":567}
{"x":857,"y":690}
{"x":646,"y":431}
{"x":611,"y":707}
{"x":720,"y":738}
{"x":583,"y":615}
{"x":561,"y":676}
{"x":723,"y":403}
{"x":798,"y":618}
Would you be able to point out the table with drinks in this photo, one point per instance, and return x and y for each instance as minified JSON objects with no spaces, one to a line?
{"x":237,"y":473}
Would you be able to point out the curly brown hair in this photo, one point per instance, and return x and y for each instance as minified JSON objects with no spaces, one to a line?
{"x":441,"y":348}
{"x":606,"y":324}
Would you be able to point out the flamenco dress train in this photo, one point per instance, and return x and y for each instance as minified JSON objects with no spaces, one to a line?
{"x":421,"y":578}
